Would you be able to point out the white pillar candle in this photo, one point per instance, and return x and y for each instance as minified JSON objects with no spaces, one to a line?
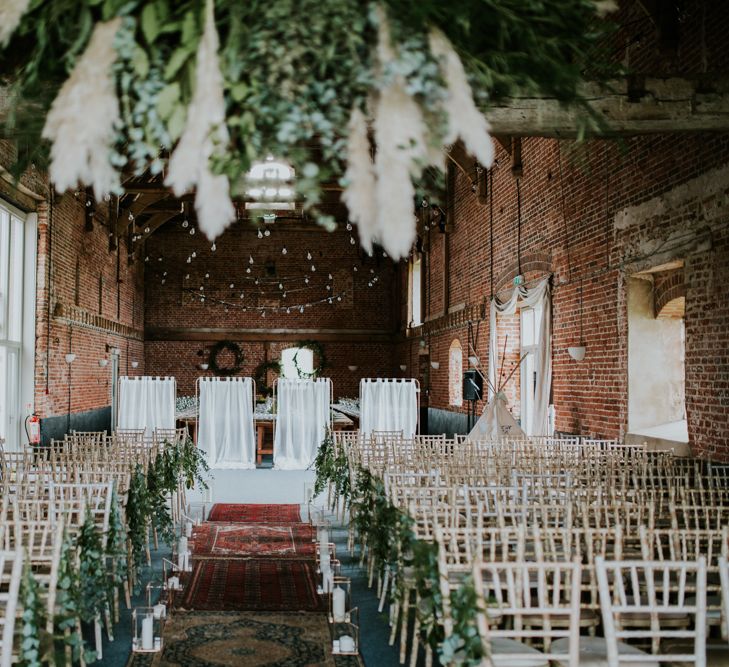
{"x":160,"y":610}
{"x":148,"y":632}
{"x":328,"y":581}
{"x":346,"y":644}
{"x":182,"y":545}
{"x":324,"y":560}
{"x":323,"y":539}
{"x":188,"y":528}
{"x":181,"y":561}
{"x":209,"y":494}
{"x":173,"y":583}
{"x":338,"y":605}
{"x":186,"y":562}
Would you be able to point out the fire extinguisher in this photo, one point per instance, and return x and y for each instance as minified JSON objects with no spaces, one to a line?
{"x":32,"y":429}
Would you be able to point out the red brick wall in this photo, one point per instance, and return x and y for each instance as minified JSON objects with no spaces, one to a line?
{"x":363,"y":308}
{"x":597,"y":243}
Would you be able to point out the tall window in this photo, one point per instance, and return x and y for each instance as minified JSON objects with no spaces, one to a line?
{"x":455,"y":374}
{"x":531,"y":319}
{"x":415,"y":301}
{"x":304,"y":359}
{"x":16,"y":304}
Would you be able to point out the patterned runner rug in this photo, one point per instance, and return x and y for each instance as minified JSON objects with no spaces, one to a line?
{"x":252,"y":639}
{"x":272,"y":584}
{"x":233,"y":540}
{"x":250,"y":513}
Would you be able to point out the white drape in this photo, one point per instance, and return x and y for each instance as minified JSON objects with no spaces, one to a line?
{"x":302,"y":416}
{"x":225,"y":428}
{"x":147,"y":402}
{"x":388,"y":405}
{"x":521,"y":296}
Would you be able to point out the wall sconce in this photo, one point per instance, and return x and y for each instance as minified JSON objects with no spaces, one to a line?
{"x":135,"y":364}
{"x":204,"y":367}
{"x":403,"y":367}
{"x":352,"y":368}
{"x":435,"y":365}
{"x":577,"y":352}
{"x":103,"y":363}
{"x":70,"y":358}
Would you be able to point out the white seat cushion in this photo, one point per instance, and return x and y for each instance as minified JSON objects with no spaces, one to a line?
{"x":501,"y":646}
{"x":593,"y":653}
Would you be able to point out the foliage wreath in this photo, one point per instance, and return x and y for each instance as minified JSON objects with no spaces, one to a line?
{"x":260,"y":376}
{"x":318,"y":351}
{"x":225,"y":371}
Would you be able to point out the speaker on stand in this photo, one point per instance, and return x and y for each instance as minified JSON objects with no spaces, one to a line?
{"x":472,"y":392}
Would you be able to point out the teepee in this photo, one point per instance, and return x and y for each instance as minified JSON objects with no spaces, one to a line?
{"x":496,"y":421}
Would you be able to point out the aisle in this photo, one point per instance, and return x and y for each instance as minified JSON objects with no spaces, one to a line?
{"x":251,"y":598}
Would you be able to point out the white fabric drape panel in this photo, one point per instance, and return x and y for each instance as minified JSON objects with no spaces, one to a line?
{"x":388,"y":405}
{"x":521,"y":296}
{"x":225,"y":430}
{"x":303,"y":414}
{"x":147,"y":402}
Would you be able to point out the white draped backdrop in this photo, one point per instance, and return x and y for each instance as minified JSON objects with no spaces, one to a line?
{"x":521,"y":296}
{"x":303,"y":410}
{"x":147,"y":402}
{"x":388,"y":405}
{"x":225,"y":423}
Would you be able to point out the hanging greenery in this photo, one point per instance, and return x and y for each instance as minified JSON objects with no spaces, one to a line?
{"x":159,"y":508}
{"x":193,"y":464}
{"x":138,"y":511}
{"x":332,"y":467}
{"x":116,"y":549}
{"x":223,"y":346}
{"x":32,"y":619}
{"x":93,"y":578}
{"x":261,"y":376}
{"x":199,"y":90}
{"x":68,"y":606}
{"x":318,"y":352}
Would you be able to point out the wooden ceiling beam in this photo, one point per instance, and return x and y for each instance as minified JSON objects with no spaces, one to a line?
{"x":136,"y":208}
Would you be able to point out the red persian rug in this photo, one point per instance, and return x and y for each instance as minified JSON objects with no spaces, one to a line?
{"x":231,"y":540}
{"x":255,"y":513}
{"x":254,"y":584}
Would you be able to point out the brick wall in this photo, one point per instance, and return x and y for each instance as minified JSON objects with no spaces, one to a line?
{"x":355,"y":330}
{"x":616,"y":210}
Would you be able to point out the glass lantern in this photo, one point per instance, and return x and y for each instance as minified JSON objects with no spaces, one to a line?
{"x":157,"y":599}
{"x":171,"y":576}
{"x":146,"y":630}
{"x":346,"y":635}
{"x":340,"y":600}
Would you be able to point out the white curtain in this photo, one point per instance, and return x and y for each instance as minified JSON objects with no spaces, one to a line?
{"x":225,"y":427}
{"x":388,"y":405}
{"x":147,"y":402}
{"x":531,"y":298}
{"x":303,"y":414}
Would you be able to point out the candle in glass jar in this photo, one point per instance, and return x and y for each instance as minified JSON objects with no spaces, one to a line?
{"x":148,"y":632}
{"x":188,"y":528}
{"x":182,"y":545}
{"x":160,"y":610}
{"x":346,"y":644}
{"x":338,"y":605}
{"x":173,"y":583}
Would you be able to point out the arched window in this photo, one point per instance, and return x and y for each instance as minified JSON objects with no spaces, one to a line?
{"x":455,"y":374}
{"x":304,"y":361}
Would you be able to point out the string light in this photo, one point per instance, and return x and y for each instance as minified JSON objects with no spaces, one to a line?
{"x":207,"y":275}
{"x":213,"y":248}
{"x":248,"y":270}
{"x":313,"y":268}
{"x":250,"y":259}
{"x":187,"y":276}
{"x":267,"y":232}
{"x":283,"y":250}
{"x":231,"y":286}
{"x":308,"y":256}
{"x":193,"y":255}
{"x":351,"y":240}
{"x":349,"y":226}
{"x":146,"y":259}
{"x":185,"y":224}
{"x":260,"y":234}
{"x":192,"y":232}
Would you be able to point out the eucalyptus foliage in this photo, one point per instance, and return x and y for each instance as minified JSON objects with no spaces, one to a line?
{"x":32,"y":619}
{"x":93,"y":579}
{"x":293,"y":70}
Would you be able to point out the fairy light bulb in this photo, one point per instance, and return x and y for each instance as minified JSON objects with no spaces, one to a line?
{"x":288,"y":310}
{"x":189,"y":260}
{"x":146,"y":230}
{"x":267,"y":232}
{"x":301,"y":310}
{"x":146,"y":259}
{"x":329,"y":287}
{"x":201,"y":288}
{"x":356,"y":269}
{"x":192,"y":232}
{"x":280,"y":285}
{"x":284,"y":251}
{"x":313,"y":268}
{"x":207,"y":275}
{"x":159,"y":259}
{"x":231,"y":286}
{"x":241,"y":295}
{"x":256,"y":281}
{"x":213,"y":248}
{"x":248,"y":270}
{"x":283,"y":295}
{"x":163,"y":281}
{"x":185,"y":224}
{"x":194,"y":254}
{"x":164,"y":273}
{"x":306,"y":280}
{"x":260,"y":234}
{"x":308,"y":256}
{"x":263,"y":313}
{"x":187,"y":276}
{"x":351,"y":240}
{"x":250,"y":259}
{"x":226,"y":309}
{"x":349,"y":226}
{"x":329,"y":276}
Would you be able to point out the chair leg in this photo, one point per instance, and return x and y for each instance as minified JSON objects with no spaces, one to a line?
{"x":416,"y":633}
{"x":404,"y":627}
{"x":383,"y":592}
